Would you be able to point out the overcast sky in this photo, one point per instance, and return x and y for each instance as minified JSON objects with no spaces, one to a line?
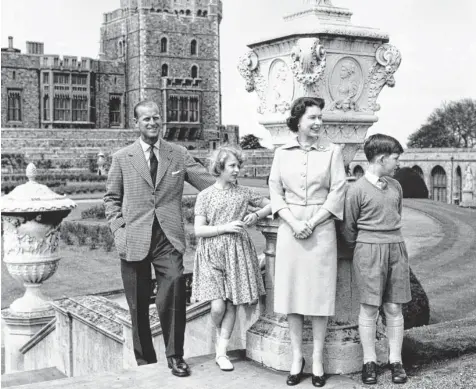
{"x":435,"y":37}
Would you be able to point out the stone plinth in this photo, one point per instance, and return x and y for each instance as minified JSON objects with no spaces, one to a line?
{"x":268,"y":339}
{"x":468,"y":199}
{"x":20,"y":328}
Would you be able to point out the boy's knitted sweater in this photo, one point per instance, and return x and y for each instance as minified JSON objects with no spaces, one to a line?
{"x":373,"y":215}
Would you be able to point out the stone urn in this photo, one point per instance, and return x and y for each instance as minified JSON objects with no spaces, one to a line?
{"x":318,"y":52}
{"x":31,"y":217}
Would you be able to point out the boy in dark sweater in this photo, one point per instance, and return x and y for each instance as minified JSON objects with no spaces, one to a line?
{"x":372,"y":224}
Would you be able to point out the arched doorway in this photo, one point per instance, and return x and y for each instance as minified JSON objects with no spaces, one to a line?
{"x":358,"y":171}
{"x":458,"y":187}
{"x":438,"y":184}
{"x":417,"y":169}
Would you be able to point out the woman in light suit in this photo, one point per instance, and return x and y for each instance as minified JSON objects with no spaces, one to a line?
{"x":307,"y":183}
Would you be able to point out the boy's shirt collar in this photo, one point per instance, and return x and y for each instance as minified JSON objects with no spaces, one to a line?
{"x":372,"y":178}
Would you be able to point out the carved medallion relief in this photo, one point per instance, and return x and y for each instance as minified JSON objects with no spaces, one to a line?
{"x":345,"y":84}
{"x":280,"y":87}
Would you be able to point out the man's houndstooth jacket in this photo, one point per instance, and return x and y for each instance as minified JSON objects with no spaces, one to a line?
{"x":132,"y":202}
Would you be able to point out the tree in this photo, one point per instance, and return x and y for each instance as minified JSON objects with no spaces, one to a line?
{"x":451,"y":125}
{"x":250,"y":141}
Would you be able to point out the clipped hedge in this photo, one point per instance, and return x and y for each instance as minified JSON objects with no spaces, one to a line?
{"x":95,"y":212}
{"x":7,"y":187}
{"x":94,"y":235}
{"x":65,"y":177}
{"x":86,"y":187}
{"x":98,"y":234}
{"x":98,"y":211}
{"x":93,"y":231}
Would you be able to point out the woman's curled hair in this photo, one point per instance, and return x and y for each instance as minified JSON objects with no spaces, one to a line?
{"x":298,"y":108}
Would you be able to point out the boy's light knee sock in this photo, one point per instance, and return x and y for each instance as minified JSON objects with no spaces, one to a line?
{"x":395,"y":338}
{"x":367,"y":330}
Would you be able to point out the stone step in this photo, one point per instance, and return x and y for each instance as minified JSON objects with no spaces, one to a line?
{"x":31,"y":377}
{"x":205,"y":374}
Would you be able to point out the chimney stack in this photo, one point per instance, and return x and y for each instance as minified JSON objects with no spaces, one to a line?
{"x":10,"y":42}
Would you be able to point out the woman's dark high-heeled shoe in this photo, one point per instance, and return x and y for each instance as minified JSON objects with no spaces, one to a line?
{"x":294,"y":379}
{"x":318,"y":381}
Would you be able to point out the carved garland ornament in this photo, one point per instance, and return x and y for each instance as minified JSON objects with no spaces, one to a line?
{"x":388,"y":60}
{"x":248,"y":66}
{"x":308,"y":61}
{"x":22,"y":243}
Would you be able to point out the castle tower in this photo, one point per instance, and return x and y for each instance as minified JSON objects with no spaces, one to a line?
{"x":172,"y":56}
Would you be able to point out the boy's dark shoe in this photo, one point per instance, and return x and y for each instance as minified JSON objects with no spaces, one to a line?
{"x":398,"y":373}
{"x":369,"y":373}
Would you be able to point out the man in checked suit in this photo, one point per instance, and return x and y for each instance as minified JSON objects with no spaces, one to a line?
{"x":143,"y":207}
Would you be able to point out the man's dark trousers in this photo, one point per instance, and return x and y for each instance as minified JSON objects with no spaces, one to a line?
{"x":170,"y":299}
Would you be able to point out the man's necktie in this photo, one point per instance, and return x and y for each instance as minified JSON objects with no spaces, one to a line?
{"x":381,"y":184}
{"x":153,"y":165}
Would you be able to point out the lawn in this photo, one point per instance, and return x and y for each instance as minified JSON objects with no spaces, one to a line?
{"x":440,"y":242}
{"x":83,"y":271}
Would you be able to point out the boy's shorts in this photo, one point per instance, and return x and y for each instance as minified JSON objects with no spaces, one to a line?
{"x":382,"y":273}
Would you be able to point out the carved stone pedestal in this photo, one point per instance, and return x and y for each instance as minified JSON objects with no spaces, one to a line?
{"x":31,"y":218}
{"x":268,"y":340}
{"x":468,"y":199}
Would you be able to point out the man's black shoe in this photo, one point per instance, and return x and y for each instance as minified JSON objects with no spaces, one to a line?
{"x":179,"y":366}
{"x":398,"y":373}
{"x":369,"y":373}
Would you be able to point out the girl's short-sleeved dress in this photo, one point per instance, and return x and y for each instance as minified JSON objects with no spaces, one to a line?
{"x":226,"y":266}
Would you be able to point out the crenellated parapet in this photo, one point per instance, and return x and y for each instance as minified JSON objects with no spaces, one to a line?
{"x":190,"y":8}
{"x":66,"y":62}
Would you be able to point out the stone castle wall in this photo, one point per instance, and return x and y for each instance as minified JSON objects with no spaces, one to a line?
{"x":129,"y":68}
{"x":74,"y":148}
{"x":110,"y":80}
{"x":430,"y":161}
{"x":21,"y":72}
{"x":136,"y":38}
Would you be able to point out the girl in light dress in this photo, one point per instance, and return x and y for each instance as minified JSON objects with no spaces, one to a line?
{"x":226,"y":269}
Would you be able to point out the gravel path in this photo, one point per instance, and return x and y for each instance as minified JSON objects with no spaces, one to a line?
{"x":447,"y":270}
{"x":450,"y":374}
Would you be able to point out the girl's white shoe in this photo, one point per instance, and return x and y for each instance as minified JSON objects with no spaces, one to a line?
{"x":224,"y":363}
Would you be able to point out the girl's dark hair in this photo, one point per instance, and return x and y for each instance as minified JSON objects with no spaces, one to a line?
{"x":378,"y":144}
{"x":299,"y":107}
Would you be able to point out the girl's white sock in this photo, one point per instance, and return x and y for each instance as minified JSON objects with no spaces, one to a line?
{"x":222,"y":346}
